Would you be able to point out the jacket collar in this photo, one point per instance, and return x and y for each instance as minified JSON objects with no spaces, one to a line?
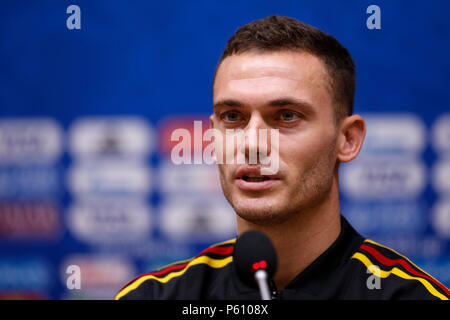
{"x":323,"y":272}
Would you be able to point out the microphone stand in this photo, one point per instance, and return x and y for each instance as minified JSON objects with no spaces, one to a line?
{"x":262,"y":281}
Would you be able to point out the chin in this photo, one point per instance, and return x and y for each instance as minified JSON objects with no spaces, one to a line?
{"x":260,"y":211}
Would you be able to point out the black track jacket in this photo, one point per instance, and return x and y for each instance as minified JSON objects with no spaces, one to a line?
{"x":351,"y":268}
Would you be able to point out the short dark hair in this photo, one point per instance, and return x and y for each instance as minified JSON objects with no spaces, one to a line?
{"x":276,"y":33}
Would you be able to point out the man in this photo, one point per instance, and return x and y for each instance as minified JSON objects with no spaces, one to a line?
{"x":280,"y":74}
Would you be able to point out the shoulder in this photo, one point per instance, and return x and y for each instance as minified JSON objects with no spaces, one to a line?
{"x":398,"y":277}
{"x":181,"y":279}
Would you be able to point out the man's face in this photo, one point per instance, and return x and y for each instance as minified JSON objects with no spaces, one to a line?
{"x":288,"y":91}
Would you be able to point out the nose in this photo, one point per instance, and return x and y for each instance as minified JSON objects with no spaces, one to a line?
{"x":256,"y":146}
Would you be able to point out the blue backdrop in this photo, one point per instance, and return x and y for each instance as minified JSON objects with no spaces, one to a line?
{"x":86,"y":116}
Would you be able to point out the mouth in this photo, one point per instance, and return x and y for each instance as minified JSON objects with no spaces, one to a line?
{"x":254,"y":178}
{"x":250,"y":179}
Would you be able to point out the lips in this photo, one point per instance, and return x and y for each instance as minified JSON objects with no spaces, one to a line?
{"x":249,"y":178}
{"x":254,"y":178}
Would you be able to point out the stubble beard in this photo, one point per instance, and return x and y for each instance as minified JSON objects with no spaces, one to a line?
{"x":312,"y":188}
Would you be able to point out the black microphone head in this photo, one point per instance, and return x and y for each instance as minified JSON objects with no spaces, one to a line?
{"x":254,"y":251}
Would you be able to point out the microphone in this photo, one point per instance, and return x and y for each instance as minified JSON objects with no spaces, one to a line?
{"x":256,"y":260}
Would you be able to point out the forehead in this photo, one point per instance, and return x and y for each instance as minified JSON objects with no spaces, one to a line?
{"x":280,"y":72}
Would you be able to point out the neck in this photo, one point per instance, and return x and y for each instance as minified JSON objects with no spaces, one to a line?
{"x":303,"y":238}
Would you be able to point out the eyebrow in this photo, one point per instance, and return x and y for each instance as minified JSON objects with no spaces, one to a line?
{"x":227,"y":103}
{"x":279,"y":102}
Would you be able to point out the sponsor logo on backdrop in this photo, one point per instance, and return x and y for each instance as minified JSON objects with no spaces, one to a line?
{"x":29,"y":220}
{"x":19,"y":274}
{"x":187,"y":145}
{"x":197,"y":219}
{"x":30,"y":181}
{"x":440,"y":218}
{"x":33,"y":140}
{"x":169,"y":125}
{"x":111,"y":136}
{"x":98,"y":271}
{"x":372,"y":218}
{"x":183,"y":179}
{"x":109,"y":221}
{"x":438,"y":267}
{"x":383,"y":178}
{"x":111,"y":176}
{"x":394,"y":133}
{"x":441,"y":134}
{"x":428,"y":246}
{"x":441,"y":176}
{"x":101,"y":276}
{"x":23,"y":295}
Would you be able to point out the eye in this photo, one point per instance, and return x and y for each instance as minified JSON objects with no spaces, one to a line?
{"x":289,"y":115}
{"x":231,"y":116}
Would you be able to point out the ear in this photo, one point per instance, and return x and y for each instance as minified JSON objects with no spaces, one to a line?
{"x":211,"y":121}
{"x":352,"y":131}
